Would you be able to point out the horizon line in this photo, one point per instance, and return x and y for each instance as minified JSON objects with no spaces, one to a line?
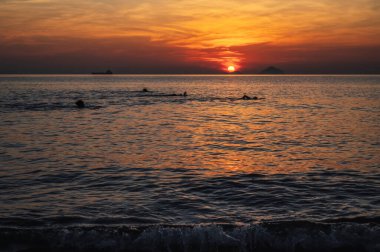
{"x":182,"y":74}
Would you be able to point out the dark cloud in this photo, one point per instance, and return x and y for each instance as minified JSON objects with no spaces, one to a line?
{"x":141,"y":55}
{"x":311,"y":58}
{"x":123,"y":55}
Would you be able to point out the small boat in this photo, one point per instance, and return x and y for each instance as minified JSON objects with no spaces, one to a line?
{"x":106,"y":72}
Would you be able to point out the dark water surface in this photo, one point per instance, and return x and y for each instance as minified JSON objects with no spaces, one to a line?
{"x":297,"y":170}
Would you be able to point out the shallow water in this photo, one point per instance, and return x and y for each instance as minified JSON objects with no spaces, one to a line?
{"x":307,"y":151}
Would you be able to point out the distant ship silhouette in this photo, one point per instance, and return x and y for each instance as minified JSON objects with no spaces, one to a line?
{"x":106,"y":72}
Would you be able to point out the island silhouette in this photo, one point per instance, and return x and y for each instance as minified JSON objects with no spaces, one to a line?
{"x":272,"y":70}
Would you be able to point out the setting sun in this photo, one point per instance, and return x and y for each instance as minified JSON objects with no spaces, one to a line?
{"x":231,"y":69}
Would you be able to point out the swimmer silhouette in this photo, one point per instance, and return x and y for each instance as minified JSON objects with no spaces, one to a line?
{"x":185,"y":94}
{"x":145,"y":90}
{"x":79,"y":103}
{"x":246,"y":97}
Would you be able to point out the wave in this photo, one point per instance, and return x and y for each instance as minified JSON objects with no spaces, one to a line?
{"x":105,"y":99}
{"x":44,"y":106}
{"x":279,"y":236}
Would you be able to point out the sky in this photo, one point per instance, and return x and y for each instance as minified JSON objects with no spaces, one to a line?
{"x":189,"y":36}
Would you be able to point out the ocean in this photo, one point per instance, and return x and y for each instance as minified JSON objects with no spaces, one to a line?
{"x":297,"y":169}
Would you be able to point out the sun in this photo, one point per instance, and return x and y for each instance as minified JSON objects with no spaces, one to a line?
{"x":231,"y":69}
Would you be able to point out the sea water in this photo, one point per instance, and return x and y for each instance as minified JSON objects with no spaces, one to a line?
{"x":297,"y":169}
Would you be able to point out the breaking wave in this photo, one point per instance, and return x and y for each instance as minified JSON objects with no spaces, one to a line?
{"x":280,"y":236}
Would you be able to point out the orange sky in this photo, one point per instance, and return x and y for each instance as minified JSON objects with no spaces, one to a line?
{"x":199,"y":36}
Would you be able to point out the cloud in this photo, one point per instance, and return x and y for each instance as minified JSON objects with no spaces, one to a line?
{"x":311,"y":58}
{"x":208,"y":33}
{"x":132,"y":55}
